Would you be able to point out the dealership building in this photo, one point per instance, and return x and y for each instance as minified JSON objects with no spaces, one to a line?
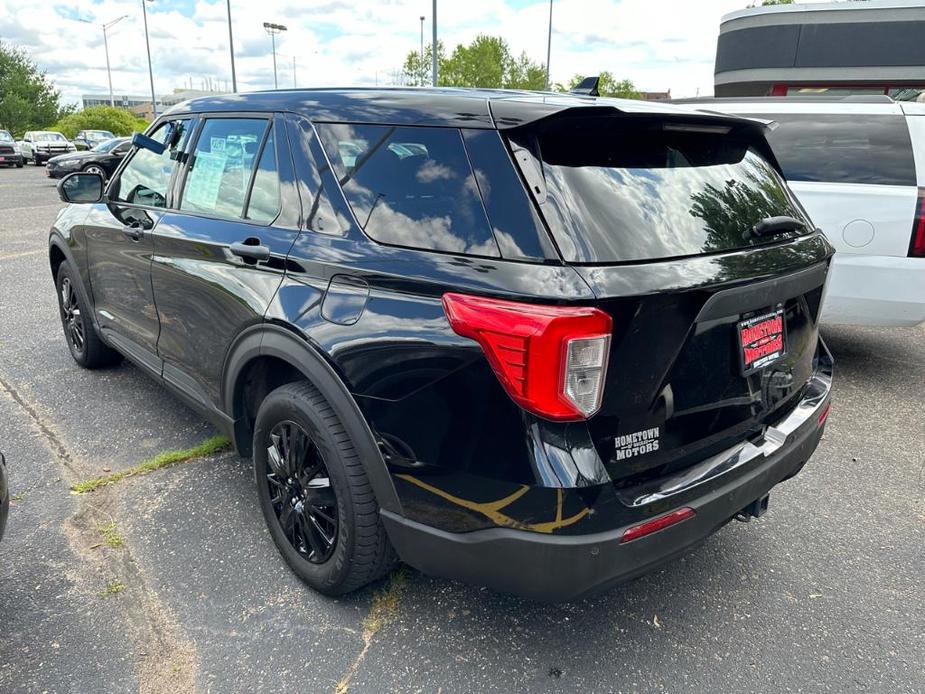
{"x":873,"y":47}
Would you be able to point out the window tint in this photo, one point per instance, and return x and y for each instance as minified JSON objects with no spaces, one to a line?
{"x":843,"y":149}
{"x":410,"y":186}
{"x":221,"y":166}
{"x":616,"y":191}
{"x":316,"y":182}
{"x":146,"y":177}
{"x":264,"y":201}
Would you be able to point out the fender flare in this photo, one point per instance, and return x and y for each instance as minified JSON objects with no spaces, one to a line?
{"x":274,"y":341}
{"x":55,"y":240}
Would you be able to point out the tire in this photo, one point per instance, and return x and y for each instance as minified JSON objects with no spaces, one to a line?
{"x":19,"y":165}
{"x":89,"y":350}
{"x":97,"y":169}
{"x":360,"y":552}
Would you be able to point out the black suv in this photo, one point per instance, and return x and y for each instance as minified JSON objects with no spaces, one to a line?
{"x":541,"y":343}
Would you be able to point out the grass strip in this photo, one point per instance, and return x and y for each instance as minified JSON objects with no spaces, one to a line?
{"x":211,"y":445}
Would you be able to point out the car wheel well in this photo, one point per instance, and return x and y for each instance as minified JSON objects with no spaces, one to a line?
{"x":55,"y":258}
{"x":258,"y":378}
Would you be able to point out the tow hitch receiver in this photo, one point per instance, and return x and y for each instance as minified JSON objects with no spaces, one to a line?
{"x":756,"y":509}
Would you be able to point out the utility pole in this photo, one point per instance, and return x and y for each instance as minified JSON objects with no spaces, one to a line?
{"x":234,"y":78}
{"x":144,"y":13}
{"x":434,"y":48}
{"x":549,"y":46}
{"x":273,"y":30}
{"x":293,"y":72}
{"x":421,"y":76}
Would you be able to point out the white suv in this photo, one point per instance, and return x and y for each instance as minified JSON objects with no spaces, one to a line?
{"x":38,"y":146}
{"x":858,"y":166}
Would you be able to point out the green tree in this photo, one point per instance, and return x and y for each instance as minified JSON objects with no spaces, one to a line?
{"x":28,"y":100}
{"x":608,"y":86}
{"x":486,"y":62}
{"x":116,"y":120}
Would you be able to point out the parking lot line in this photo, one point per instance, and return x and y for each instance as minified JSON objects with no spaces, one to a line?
{"x":23,"y":254}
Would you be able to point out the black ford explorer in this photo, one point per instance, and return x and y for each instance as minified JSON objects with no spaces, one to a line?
{"x":537,"y":342}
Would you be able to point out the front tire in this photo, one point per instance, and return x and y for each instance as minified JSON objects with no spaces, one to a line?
{"x":314,"y":493}
{"x":85,"y":345}
{"x":95,"y":169}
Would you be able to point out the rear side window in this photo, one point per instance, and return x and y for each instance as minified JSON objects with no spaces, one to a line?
{"x":625,"y":190}
{"x":222,"y":165}
{"x":843,"y":149}
{"x":410,"y":187}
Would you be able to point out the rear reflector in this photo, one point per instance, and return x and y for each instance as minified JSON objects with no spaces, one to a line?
{"x":551,"y":360}
{"x":917,"y":245}
{"x":656,"y":524}
{"x":824,"y":415}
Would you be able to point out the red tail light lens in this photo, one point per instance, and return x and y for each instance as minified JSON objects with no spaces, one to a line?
{"x":917,"y":245}
{"x":551,"y":360}
{"x":656,"y":524}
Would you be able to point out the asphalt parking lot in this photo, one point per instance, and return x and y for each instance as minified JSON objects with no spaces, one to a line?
{"x":169,"y":582}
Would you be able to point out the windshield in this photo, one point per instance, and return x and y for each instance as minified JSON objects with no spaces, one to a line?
{"x":5,"y":136}
{"x":624,"y":191}
{"x":98,"y":135}
{"x":108,"y":145}
{"x":50,"y":137}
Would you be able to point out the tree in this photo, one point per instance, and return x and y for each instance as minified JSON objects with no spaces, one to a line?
{"x":28,"y":100}
{"x":116,"y":120}
{"x":486,"y":62}
{"x":608,"y":86}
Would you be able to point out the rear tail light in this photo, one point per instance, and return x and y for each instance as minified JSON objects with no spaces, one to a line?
{"x":551,"y":360}
{"x":656,"y":524}
{"x":917,"y":245}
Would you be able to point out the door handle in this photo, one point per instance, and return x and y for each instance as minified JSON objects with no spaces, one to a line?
{"x":251,"y":249}
{"x":133,"y":231}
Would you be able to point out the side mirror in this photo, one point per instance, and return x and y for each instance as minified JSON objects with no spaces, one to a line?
{"x":148,"y":143}
{"x":80,"y":187}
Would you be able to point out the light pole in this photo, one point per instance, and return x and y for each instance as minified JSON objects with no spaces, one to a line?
{"x":433,"y":51}
{"x":421,"y":77}
{"x":273,"y":30}
{"x":549,"y":45}
{"x":144,"y":12}
{"x":106,"y":26}
{"x":234,"y":79}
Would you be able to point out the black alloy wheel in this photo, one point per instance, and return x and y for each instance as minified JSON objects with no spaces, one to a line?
{"x":301,"y":493}
{"x":71,"y":317}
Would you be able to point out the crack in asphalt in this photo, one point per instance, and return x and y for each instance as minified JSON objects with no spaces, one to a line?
{"x":166,"y":662}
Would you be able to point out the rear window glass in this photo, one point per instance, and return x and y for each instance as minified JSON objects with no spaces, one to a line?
{"x":410,"y":187}
{"x":843,"y":149}
{"x":632,"y":191}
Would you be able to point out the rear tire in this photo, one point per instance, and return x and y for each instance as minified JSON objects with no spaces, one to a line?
{"x":85,"y":345}
{"x":315,"y":489}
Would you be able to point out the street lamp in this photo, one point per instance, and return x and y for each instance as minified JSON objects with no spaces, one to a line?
{"x":549,"y":45}
{"x":107,"y":26}
{"x":144,"y":12}
{"x":421,"y":76}
{"x":234,"y":79}
{"x":273,"y":30}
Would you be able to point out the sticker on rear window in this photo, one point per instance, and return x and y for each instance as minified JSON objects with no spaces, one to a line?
{"x":761,"y":340}
{"x":637,"y":443}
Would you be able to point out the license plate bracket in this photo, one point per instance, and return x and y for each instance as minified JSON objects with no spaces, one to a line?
{"x":761,"y":340}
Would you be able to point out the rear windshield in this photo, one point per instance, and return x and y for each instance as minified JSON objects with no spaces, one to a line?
{"x":843,"y":149}
{"x":615,"y":190}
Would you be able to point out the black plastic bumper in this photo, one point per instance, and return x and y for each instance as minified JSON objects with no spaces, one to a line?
{"x":556,"y":567}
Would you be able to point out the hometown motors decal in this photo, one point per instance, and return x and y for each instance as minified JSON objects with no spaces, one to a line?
{"x":637,"y":443}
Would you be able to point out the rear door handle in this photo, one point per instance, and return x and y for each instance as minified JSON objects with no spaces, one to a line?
{"x":251,"y":249}
{"x":133,"y":231}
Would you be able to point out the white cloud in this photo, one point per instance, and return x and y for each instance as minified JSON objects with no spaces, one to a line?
{"x":659,"y":44}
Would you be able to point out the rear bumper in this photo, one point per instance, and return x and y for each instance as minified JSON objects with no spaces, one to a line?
{"x":555,"y":567}
{"x":11,"y":159}
{"x":875,"y":290}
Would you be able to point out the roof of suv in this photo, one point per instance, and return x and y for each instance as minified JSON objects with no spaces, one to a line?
{"x":471,"y":108}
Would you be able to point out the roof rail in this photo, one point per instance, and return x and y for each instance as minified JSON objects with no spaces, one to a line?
{"x":849,"y":99}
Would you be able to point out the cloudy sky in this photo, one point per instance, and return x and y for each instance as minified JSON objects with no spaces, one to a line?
{"x":658,"y":44}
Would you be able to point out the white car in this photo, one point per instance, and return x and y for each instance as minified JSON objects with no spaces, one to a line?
{"x":857,"y":164}
{"x":38,"y":146}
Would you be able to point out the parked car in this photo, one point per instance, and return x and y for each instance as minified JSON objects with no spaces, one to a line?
{"x":539,"y":345}
{"x":858,"y":166}
{"x":4,"y":496}
{"x":10,"y":154}
{"x":39,"y":146}
{"x":88,"y":139}
{"x":102,"y":159}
